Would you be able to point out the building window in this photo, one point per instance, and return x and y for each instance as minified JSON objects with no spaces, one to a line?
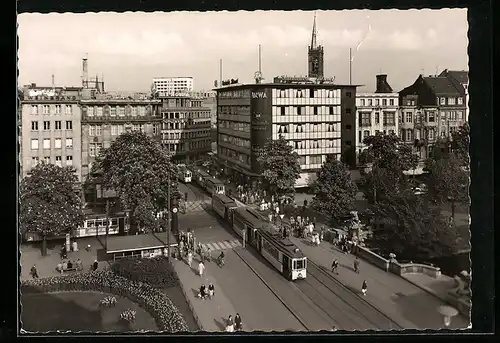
{"x":98,"y":130}
{"x":302,"y":160}
{"x":112,"y":111}
{"x":299,"y":129}
{"x":69,"y":160}
{"x":34,"y":161}
{"x":384,"y":102}
{"x":59,"y":161}
{"x":98,"y":111}
{"x":88,"y":110}
{"x":377,"y":118}
{"x":431,"y":134}
{"x":460,"y":115}
{"x":360,"y":137}
{"x":409,"y":117}
{"x":315,"y":159}
{"x":389,"y":118}
{"x":34,"y":126}
{"x":315,"y":110}
{"x":460,"y":101}
{"x":69,"y":125}
{"x":451,"y":101}
{"x":58,"y":143}
{"x":46,"y":125}
{"x":391,"y":102}
{"x":331,"y":110}
{"x":442,"y":101}
{"x":114,"y":130}
{"x":391,"y":132}
{"x":409,"y":135}
{"x":58,"y":109}
{"x":92,"y":130}
{"x":69,"y":143}
{"x":46,"y":143}
{"x":366,"y":133}
{"x":46,"y":109}
{"x":362,"y":102}
{"x":34,"y":109}
{"x":58,"y":124}
{"x":364,"y":119}
{"x":432,"y":117}
{"x":34,"y":144}
{"x":46,"y":160}
{"x":121,"y":111}
{"x":92,"y":150}
{"x":348,"y":110}
{"x":282,"y":110}
{"x":69,"y":109}
{"x":142,"y":111}
{"x":369,"y":102}
{"x":299,"y":110}
{"x":377,"y":102}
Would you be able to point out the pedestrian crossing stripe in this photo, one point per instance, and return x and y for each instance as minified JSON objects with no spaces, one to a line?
{"x":222,"y":245}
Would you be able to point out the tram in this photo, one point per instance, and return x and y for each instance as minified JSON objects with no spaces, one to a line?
{"x":184,"y":174}
{"x":281,"y":253}
{"x":223,"y":205}
{"x":214,"y":186}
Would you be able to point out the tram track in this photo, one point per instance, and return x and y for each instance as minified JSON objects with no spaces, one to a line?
{"x":350,"y":311}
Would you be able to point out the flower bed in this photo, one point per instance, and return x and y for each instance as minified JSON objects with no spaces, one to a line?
{"x":108,"y":302}
{"x":155,"y":302}
{"x":156,"y":272}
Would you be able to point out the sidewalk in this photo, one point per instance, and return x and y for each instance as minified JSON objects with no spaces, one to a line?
{"x":399,"y":299}
{"x":211,"y":315}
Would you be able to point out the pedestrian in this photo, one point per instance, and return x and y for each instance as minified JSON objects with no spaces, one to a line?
{"x":95,"y":265}
{"x":208,"y":256}
{"x":230,"y":324}
{"x":199,"y":250}
{"x":181,"y":245}
{"x":364,"y":287}
{"x":79,"y":264}
{"x":190,"y":258}
{"x":356,"y":264}
{"x":238,"y":322}
{"x":335,"y":266}
{"x":34,"y":272}
{"x":201,"y":268}
{"x":185,"y":197}
{"x":211,"y":290}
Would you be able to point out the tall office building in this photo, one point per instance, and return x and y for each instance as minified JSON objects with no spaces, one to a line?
{"x":166,"y":86}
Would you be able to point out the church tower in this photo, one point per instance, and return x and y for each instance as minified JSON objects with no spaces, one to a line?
{"x":315,"y":56}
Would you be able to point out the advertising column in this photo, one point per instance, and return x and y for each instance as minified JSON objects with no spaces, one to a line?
{"x":261,"y":122}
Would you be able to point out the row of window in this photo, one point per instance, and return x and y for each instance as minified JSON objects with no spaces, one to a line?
{"x":366,"y":133}
{"x":116,"y":130}
{"x":376,"y":102}
{"x":271,"y":250}
{"x":184,"y":135}
{"x":308,"y":110}
{"x":47,"y":125}
{"x":69,"y":160}
{"x":243,"y":143}
{"x":234,"y":110}
{"x":113,"y":111}
{"x":186,"y":115}
{"x":54,"y":109}
{"x":47,"y":143}
{"x":365,"y":118}
{"x":236,"y":126}
{"x":450,"y":101}
{"x":308,"y":127}
{"x":234,"y":155}
{"x":308,"y":93}
{"x":431,"y":116}
{"x":182,"y":103}
{"x":314,"y":144}
{"x":180,"y":147}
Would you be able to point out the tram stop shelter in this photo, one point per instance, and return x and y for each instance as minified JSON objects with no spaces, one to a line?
{"x":138,"y":246}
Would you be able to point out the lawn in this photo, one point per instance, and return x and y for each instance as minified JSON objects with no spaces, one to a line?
{"x":79,"y":311}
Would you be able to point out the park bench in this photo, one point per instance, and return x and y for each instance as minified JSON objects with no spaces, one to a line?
{"x":72,"y":269}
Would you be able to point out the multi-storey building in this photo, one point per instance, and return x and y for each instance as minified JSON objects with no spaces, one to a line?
{"x":376,"y":112}
{"x":432,"y":108}
{"x":317,"y":119}
{"x":105,"y":117}
{"x":185,"y":130}
{"x":172,"y":85}
{"x":461,"y":79}
{"x":50,"y":127}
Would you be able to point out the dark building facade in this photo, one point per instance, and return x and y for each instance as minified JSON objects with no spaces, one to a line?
{"x":431,"y":109}
{"x":317,"y":119}
{"x":316,"y":56}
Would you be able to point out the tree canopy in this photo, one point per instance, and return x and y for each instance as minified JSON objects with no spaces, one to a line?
{"x":385,"y":183}
{"x":280,"y":166}
{"x":49,"y":201}
{"x":137,"y":168}
{"x":387,"y":151}
{"x":334,"y":190}
{"x":412,"y":229}
{"x":460,"y":144}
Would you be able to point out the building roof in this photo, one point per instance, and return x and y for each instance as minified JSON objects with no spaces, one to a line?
{"x":138,"y":242}
{"x":441,"y":85}
{"x":462,"y":76}
{"x":284,"y":85}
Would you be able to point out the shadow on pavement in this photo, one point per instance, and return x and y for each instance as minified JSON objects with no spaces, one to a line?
{"x":220,"y":325}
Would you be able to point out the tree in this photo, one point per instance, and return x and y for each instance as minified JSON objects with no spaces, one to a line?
{"x":280,"y":167}
{"x":382,"y":183}
{"x":448,"y":181}
{"x":412,"y":229}
{"x":460,"y":144}
{"x":334,"y":190}
{"x":387,"y":151}
{"x":138,"y":169}
{"x":49,"y":202}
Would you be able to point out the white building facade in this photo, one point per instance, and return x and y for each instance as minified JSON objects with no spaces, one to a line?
{"x":166,"y":86}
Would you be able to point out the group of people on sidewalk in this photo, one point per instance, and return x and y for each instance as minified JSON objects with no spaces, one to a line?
{"x":235,"y":324}
{"x":335,"y":266}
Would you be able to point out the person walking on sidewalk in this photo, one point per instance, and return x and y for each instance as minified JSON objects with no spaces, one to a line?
{"x":34,"y":272}
{"x":364,"y":287}
{"x":335,"y":266}
{"x":356,"y":264}
{"x":201,"y":268}
{"x":238,"y":322}
{"x":190,"y":258}
{"x":230,"y":324}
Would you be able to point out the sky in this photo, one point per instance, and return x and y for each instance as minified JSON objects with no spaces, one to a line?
{"x":130,"y":49}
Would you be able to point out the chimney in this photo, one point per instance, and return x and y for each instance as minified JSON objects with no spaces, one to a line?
{"x":382,"y":85}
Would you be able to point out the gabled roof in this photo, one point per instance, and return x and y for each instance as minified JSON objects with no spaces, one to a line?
{"x":461,"y":76}
{"x":441,"y":85}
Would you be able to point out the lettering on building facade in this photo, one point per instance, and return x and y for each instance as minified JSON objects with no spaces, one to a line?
{"x":259,"y":95}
